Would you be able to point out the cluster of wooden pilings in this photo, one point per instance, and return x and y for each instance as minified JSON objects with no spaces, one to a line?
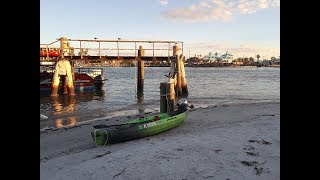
{"x":179,"y":74}
{"x":63,"y":71}
{"x":176,"y":86}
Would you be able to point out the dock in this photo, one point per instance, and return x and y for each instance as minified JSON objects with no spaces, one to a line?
{"x":108,"y":50}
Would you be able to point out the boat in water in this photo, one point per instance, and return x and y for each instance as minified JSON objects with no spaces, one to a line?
{"x":85,"y":79}
{"x":140,"y":127}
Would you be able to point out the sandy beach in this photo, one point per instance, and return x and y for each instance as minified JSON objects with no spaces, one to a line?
{"x":229,"y":141}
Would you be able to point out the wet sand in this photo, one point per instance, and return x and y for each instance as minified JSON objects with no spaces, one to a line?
{"x":233,"y":141}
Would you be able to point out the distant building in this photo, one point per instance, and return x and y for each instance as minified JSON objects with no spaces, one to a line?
{"x":227,"y":57}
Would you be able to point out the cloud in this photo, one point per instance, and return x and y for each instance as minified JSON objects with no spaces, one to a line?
{"x":249,"y":7}
{"x":163,"y":2}
{"x":218,"y":10}
{"x":275,"y":3}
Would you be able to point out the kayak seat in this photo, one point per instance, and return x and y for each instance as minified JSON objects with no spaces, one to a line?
{"x":156,"y":118}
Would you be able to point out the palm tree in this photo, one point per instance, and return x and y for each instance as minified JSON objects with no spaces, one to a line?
{"x":258,"y":56}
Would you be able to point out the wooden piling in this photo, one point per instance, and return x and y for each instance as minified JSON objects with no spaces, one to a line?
{"x":63,"y":68}
{"x":140,"y":75}
{"x":172,"y":73}
{"x":178,"y":69}
{"x":184,"y":85}
{"x":167,"y":97}
{"x":69,"y":78}
{"x":171,"y":96}
{"x":55,"y":82}
{"x":173,"y":69}
{"x":163,"y":97}
{"x":65,"y":85}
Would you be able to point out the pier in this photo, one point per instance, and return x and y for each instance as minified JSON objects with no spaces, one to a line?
{"x":107,"y":50}
{"x":66,"y":54}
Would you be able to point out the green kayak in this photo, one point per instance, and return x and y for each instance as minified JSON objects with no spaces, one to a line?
{"x":137,"y":128}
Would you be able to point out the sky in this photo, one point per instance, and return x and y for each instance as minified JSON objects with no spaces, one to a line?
{"x":244,"y":28}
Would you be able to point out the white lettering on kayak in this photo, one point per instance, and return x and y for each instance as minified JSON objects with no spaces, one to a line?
{"x":149,"y":124}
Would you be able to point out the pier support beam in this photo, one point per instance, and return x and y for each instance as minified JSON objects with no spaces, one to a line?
{"x":55,"y":82}
{"x":177,"y":73}
{"x":171,"y":99}
{"x":178,"y":88}
{"x":163,"y":97}
{"x":63,"y":68}
{"x":69,"y":79}
{"x":167,"y":97}
{"x":140,"y":75}
{"x":178,"y":69}
{"x":64,"y":83}
{"x":184,"y":85}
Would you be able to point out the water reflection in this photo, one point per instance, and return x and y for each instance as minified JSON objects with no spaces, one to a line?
{"x":65,"y":110}
{"x":62,"y":104}
{"x":65,"y":103}
{"x":66,"y":122}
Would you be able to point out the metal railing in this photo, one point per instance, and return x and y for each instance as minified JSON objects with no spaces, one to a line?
{"x":119,"y":47}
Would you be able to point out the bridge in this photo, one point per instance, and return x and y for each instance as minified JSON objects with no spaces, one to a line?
{"x":108,"y":50}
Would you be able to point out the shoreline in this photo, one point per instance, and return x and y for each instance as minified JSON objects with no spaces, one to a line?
{"x":193,"y":66}
{"x":235,"y":141}
{"x":123,"y":114}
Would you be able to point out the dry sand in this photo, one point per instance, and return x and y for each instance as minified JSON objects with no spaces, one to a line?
{"x":235,"y":141}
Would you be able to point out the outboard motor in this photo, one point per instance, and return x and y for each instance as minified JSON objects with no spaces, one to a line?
{"x":182,"y":104}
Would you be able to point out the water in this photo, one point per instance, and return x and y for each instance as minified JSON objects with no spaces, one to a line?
{"x":206,"y":86}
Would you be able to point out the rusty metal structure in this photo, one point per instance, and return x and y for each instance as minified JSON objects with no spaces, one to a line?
{"x":119,"y":49}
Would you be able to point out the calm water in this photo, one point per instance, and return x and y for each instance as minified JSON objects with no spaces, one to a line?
{"x":206,"y":86}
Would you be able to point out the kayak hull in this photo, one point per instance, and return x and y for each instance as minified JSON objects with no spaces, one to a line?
{"x":137,"y":128}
